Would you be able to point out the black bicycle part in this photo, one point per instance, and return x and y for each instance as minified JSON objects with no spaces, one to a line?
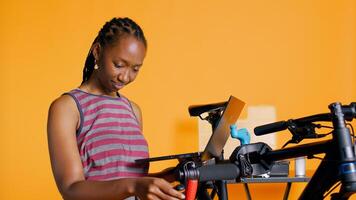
{"x":197,"y":110}
{"x":349,"y":113}
{"x":347,"y":157}
{"x":208,"y":176}
{"x":249,"y":159}
{"x":339,"y":162}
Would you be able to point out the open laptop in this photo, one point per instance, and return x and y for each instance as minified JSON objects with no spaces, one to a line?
{"x":217,"y":140}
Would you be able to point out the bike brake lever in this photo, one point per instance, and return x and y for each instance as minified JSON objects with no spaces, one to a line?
{"x":179,"y":187}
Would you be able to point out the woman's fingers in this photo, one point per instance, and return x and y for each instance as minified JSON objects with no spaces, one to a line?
{"x":166,"y":190}
{"x":161,"y":195}
{"x":149,"y":188}
{"x":175,"y":193}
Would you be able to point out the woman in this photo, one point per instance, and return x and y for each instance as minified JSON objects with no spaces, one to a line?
{"x":94,"y":133}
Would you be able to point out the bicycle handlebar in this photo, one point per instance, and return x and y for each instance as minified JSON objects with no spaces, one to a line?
{"x":270,"y":128}
{"x":216,"y":172}
{"x":348,"y":111}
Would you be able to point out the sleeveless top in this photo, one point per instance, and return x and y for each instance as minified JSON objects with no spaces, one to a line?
{"x":109,"y":137}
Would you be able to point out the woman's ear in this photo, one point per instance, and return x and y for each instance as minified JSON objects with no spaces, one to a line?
{"x":96,"y":50}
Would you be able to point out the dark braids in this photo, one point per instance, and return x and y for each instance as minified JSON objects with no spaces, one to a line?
{"x":108,"y":35}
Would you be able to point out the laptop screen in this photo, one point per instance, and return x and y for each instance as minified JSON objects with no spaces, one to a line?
{"x":221,"y":133}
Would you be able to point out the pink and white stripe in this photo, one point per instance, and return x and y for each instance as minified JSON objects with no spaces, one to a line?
{"x":109,"y":138}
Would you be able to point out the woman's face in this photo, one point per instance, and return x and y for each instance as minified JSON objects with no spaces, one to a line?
{"x":120,"y":63}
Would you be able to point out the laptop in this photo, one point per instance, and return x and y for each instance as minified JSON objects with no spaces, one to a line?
{"x":231,"y":112}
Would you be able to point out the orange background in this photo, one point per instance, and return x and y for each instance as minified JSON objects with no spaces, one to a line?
{"x":297,"y":55}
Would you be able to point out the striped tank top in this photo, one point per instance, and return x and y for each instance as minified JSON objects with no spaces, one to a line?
{"x":109,"y":137}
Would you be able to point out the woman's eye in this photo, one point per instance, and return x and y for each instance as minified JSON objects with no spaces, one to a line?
{"x":118,"y":66}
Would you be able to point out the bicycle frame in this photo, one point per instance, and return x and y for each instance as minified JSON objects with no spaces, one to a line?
{"x":325,"y":175}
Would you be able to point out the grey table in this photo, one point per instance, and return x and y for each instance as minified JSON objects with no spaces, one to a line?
{"x":288,"y":180}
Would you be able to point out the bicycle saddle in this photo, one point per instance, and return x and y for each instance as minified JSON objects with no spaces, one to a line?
{"x":196,"y":110}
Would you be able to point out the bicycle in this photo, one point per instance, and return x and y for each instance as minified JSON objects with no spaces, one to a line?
{"x":338,"y":164}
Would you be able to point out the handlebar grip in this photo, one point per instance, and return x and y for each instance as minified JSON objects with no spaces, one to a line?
{"x":218,"y":172}
{"x":191,"y":191}
{"x":270,"y":128}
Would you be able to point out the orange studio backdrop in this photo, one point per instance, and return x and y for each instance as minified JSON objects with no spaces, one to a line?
{"x":296,"y":55}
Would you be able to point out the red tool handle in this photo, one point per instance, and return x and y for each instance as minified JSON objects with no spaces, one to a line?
{"x":191,"y":190}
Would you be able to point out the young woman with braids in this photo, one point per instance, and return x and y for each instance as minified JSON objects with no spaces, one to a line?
{"x":94,"y":132}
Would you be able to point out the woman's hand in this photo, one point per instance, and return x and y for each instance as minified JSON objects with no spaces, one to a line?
{"x":168,"y":174}
{"x":151,"y":188}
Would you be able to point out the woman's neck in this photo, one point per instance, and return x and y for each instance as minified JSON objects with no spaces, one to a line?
{"x":94,"y":86}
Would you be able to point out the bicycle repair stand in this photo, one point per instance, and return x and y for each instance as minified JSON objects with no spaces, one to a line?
{"x":278,"y":173}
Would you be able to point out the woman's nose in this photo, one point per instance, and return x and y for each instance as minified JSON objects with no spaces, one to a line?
{"x":124,"y":76}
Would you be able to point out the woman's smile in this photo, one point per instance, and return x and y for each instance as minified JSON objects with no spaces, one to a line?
{"x":117,"y":85}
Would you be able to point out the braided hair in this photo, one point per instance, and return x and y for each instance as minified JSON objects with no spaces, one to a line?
{"x":109,"y":34}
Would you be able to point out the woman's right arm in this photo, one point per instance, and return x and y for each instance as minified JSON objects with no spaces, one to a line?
{"x":63,"y":119}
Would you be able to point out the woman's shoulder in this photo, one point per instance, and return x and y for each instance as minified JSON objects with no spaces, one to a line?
{"x":63,"y":102}
{"x":64,"y":111}
{"x":134,"y":105}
